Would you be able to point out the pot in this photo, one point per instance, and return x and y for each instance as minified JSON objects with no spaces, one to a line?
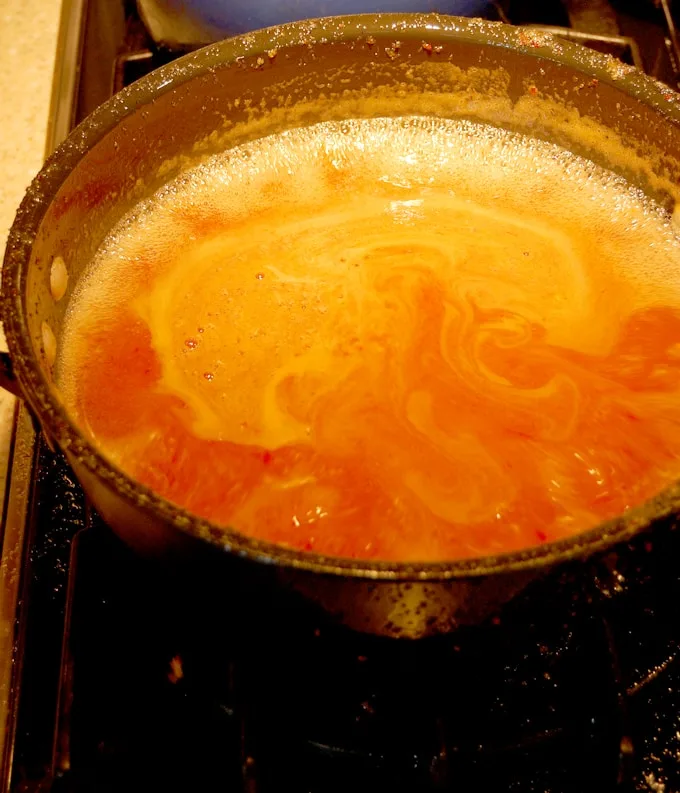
{"x":262,"y":83}
{"x":190,"y":23}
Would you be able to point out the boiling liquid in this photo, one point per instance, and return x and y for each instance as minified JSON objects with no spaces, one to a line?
{"x":405,"y":339}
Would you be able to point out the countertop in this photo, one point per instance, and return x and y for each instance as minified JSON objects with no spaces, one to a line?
{"x":28,"y":44}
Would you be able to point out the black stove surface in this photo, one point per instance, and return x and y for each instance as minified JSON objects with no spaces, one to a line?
{"x":127,"y":679}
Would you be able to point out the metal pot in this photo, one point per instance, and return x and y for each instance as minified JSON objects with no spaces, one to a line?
{"x":191,"y":23}
{"x":265,"y":82}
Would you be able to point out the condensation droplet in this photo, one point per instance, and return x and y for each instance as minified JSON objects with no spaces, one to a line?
{"x":58,"y":278}
{"x":49,"y":344}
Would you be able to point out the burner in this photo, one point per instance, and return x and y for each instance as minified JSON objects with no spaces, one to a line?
{"x":127,"y":678}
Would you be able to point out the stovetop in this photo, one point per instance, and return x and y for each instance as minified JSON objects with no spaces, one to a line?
{"x":125,"y":678}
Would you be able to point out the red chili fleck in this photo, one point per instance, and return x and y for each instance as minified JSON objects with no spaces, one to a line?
{"x":533,"y":90}
{"x":594,"y":82}
{"x":496,"y":620}
{"x":648,"y":547}
{"x":176,"y":672}
{"x":427,"y":47}
{"x":541,"y":536}
{"x":267,"y":457}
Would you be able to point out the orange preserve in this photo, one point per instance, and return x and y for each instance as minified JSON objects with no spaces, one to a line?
{"x":403,"y":339}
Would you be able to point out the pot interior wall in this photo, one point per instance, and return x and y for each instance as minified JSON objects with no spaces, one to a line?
{"x":214,"y":99}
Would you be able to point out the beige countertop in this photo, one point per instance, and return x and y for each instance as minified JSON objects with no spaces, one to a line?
{"x":28,"y":40}
{"x":28,"y":45}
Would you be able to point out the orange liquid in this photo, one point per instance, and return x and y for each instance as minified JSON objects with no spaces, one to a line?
{"x":391,"y":339}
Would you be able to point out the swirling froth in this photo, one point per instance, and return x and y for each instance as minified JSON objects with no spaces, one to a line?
{"x":397,"y":338}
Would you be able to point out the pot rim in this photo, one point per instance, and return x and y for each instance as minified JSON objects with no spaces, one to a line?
{"x":225,"y":54}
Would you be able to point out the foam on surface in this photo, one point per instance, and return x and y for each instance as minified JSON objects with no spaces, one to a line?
{"x":394,"y":338}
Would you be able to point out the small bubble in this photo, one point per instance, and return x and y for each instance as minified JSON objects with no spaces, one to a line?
{"x":201,"y":330}
{"x":191,"y":344}
{"x":209,"y":376}
{"x":259,"y":276}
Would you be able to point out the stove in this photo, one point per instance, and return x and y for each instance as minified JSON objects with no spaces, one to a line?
{"x":110,"y":679}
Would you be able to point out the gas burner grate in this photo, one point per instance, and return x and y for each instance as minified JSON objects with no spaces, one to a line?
{"x":622,"y":47}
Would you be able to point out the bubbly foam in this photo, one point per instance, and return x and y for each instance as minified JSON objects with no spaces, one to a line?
{"x":426,"y":334}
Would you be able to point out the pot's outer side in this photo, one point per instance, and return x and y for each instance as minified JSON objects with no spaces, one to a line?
{"x":276,"y":79}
